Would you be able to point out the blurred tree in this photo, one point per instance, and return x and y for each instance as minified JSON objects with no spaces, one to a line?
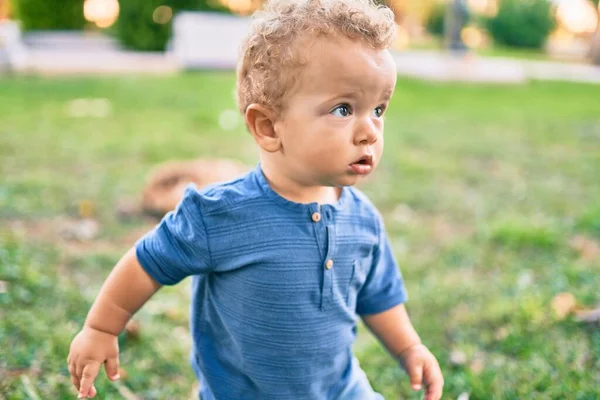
{"x":49,"y":14}
{"x":435,"y":20}
{"x":522,"y":23}
{"x":596,"y":39}
{"x":146,"y":24}
{"x":198,"y":5}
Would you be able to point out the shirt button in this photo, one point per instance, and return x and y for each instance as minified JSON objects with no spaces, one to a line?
{"x":329,"y":264}
{"x":316,"y":217}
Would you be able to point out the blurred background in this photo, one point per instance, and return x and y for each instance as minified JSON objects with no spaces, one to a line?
{"x":489,"y":186}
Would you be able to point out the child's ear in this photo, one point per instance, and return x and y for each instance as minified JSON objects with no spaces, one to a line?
{"x":261,"y":123}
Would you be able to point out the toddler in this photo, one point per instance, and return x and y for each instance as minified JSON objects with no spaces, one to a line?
{"x":285,"y":259}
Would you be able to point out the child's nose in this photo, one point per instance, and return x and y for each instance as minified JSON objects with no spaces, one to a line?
{"x":367,"y":132}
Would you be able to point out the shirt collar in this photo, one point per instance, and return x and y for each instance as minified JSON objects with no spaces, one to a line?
{"x":262,"y":182}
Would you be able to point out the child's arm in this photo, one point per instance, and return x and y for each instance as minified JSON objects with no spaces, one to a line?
{"x":394,"y":329}
{"x":125,"y":290}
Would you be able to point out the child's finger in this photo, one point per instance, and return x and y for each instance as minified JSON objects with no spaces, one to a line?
{"x":75,"y":382}
{"x":89,"y":373}
{"x":112,"y":368}
{"x":93,"y":392}
{"x":74,"y":378}
{"x":434,"y":381}
{"x":433,"y":393}
{"x":415,"y":372}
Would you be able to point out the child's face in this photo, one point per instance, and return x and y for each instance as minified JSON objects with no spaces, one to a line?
{"x":332,"y":125}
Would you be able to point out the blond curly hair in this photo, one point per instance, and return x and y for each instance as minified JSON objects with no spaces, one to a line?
{"x":271,"y":52}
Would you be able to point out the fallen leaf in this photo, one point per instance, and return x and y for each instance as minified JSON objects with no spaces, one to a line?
{"x":502,"y":333}
{"x":587,"y":315}
{"x":123,"y":374}
{"x":86,"y":208}
{"x":588,"y":249}
{"x":477,"y":365}
{"x":563,"y":304}
{"x":458,"y":357}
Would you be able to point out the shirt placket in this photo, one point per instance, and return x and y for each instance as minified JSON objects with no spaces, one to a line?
{"x":327,"y":246}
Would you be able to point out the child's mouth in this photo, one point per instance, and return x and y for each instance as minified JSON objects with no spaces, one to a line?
{"x":362,"y":166}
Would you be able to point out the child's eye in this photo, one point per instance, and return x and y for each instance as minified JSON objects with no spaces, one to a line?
{"x":378,"y":111}
{"x":342,"y":110}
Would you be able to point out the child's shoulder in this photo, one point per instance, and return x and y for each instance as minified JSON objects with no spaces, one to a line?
{"x":219,"y":196}
{"x":362,"y":205}
{"x":363,"y":209}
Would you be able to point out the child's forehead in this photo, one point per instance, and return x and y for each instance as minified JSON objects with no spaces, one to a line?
{"x":346,"y":58}
{"x":340,"y":64}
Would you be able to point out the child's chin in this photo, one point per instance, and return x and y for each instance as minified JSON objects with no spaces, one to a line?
{"x":349,"y":180}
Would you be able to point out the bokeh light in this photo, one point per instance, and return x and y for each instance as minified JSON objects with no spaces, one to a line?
{"x":472,"y":36}
{"x":4,"y":11}
{"x":485,"y":7}
{"x":578,"y":16}
{"x":103,"y":13}
{"x":479,"y":6}
{"x":402,"y":38}
{"x":162,"y":14}
{"x":243,"y":7}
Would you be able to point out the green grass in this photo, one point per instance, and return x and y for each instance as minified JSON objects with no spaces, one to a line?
{"x":516,"y":52}
{"x":482,"y":187}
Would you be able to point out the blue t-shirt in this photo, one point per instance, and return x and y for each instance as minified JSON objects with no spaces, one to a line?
{"x":277,"y":287}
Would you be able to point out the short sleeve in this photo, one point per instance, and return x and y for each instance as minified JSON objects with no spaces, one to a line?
{"x":178,"y":246}
{"x":384,"y":287}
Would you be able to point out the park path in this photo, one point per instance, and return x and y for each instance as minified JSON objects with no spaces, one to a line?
{"x":68,"y":54}
{"x":437,"y":65}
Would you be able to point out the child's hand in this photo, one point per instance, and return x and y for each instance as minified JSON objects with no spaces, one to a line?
{"x":421,"y":365}
{"x":89,"y":350}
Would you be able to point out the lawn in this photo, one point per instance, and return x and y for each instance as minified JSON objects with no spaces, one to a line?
{"x":483,"y":188}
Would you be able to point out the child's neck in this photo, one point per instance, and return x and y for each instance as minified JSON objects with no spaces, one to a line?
{"x":299,"y":193}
